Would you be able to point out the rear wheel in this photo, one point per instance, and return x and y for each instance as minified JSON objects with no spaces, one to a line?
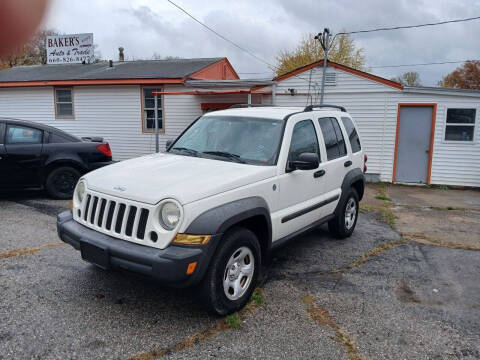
{"x":233,"y":273}
{"x":61,"y":182}
{"x":343,"y":224}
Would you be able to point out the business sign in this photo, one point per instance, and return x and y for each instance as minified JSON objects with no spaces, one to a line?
{"x":76,"y":48}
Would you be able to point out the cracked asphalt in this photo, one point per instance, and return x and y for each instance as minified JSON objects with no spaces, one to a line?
{"x":412,"y":301}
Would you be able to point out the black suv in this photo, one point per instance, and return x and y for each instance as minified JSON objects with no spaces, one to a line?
{"x":36,"y":156}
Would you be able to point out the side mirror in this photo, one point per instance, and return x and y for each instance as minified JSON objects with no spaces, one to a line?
{"x":167,"y":145}
{"x":305,"y":161}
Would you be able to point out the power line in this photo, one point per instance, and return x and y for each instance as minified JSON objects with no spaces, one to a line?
{"x":221,"y":36}
{"x":270,"y":66}
{"x":421,"y":64}
{"x":409,"y":26}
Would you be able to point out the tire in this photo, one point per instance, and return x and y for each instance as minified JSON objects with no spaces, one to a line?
{"x":340,"y":227}
{"x":241,"y":246}
{"x":61,"y":182}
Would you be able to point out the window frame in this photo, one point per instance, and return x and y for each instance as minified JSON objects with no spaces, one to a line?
{"x":338,"y":144}
{"x":348,"y":135}
{"x":143,"y":118}
{"x":291,"y":138}
{"x":55,"y":102}
{"x":23,"y":143}
{"x":474,"y":125}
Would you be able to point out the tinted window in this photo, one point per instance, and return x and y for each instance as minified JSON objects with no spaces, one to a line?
{"x":2,"y":129}
{"x":352,"y":134}
{"x":57,"y":138}
{"x":304,"y":140}
{"x":333,"y":138}
{"x":23,"y":135}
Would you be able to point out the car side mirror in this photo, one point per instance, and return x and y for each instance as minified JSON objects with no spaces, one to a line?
{"x":167,"y":145}
{"x":305,"y":161}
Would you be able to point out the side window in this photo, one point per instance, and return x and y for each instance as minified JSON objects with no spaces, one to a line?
{"x":56,"y":139}
{"x":23,"y":135}
{"x":333,"y":138}
{"x":2,"y":133}
{"x":352,"y":134}
{"x":304,"y":139}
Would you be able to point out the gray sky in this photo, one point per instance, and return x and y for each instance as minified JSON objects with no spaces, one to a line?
{"x":145,"y":27}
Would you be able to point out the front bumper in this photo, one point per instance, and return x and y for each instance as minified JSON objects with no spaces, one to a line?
{"x":167,"y":265}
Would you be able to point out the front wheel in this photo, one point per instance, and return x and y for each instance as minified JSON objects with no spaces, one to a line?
{"x":343,"y":224}
{"x":233,"y":273}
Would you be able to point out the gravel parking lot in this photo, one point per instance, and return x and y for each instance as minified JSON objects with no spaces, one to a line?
{"x":376,"y":295}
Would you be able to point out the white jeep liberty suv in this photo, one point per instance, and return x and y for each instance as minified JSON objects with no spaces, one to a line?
{"x":234,"y":185}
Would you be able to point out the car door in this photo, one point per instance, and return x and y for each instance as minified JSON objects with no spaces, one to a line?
{"x":23,"y":146}
{"x":300,"y":191}
{"x":338,"y":161}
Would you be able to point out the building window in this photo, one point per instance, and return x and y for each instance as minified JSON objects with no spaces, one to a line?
{"x":63,"y":103}
{"x":460,"y":124}
{"x":149,"y":109}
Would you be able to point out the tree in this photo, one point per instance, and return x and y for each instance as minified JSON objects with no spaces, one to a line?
{"x":34,"y":52}
{"x":31,"y":53}
{"x":342,"y":51}
{"x":411,"y":78}
{"x":466,"y":76}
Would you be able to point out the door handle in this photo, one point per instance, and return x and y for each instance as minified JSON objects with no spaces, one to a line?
{"x":318,"y":173}
{"x":347,"y":163}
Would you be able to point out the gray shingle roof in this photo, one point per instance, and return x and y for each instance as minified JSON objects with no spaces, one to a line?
{"x":140,"y":69}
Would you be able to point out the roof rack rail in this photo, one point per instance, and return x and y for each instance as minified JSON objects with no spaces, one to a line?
{"x":311,"y":107}
{"x":237,"y":106}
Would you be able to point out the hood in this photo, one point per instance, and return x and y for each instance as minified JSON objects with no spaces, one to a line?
{"x":151,"y":178}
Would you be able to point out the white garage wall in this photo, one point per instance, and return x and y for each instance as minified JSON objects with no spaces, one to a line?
{"x":374,"y":107}
{"x":112,"y":112}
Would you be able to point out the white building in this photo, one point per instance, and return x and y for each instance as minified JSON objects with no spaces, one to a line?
{"x":412,"y":135}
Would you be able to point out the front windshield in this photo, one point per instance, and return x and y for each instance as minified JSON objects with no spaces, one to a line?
{"x":232,"y":138}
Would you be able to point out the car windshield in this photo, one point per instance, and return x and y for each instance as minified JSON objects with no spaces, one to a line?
{"x":232,"y":138}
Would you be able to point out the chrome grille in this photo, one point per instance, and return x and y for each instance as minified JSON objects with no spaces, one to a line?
{"x":114,"y":216}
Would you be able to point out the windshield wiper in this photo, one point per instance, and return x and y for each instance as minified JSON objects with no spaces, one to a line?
{"x":234,"y":157}
{"x":187,"y":150}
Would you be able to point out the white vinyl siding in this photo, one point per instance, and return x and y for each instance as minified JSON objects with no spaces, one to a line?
{"x":374,"y":106}
{"x":112,"y":112}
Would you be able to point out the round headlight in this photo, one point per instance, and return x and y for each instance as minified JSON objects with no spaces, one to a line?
{"x":169,"y":215}
{"x":80,"y":191}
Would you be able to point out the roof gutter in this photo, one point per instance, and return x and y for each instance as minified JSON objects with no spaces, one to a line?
{"x":91,"y":82}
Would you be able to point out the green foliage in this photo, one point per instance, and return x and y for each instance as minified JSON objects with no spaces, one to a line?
{"x":309,"y":50}
{"x":234,"y":321}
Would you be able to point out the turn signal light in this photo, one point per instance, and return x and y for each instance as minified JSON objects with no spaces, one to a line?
{"x":365,"y":159}
{"x":187,"y":239}
{"x":191,"y":268}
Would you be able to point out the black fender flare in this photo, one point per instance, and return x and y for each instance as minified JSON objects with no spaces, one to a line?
{"x":351,"y":177}
{"x":218,"y":219}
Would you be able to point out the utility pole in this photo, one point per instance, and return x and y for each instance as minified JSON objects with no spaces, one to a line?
{"x":324,"y":39}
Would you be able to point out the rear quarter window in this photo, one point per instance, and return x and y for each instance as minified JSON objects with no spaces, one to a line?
{"x":352,"y":134}
{"x":57,"y":139}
